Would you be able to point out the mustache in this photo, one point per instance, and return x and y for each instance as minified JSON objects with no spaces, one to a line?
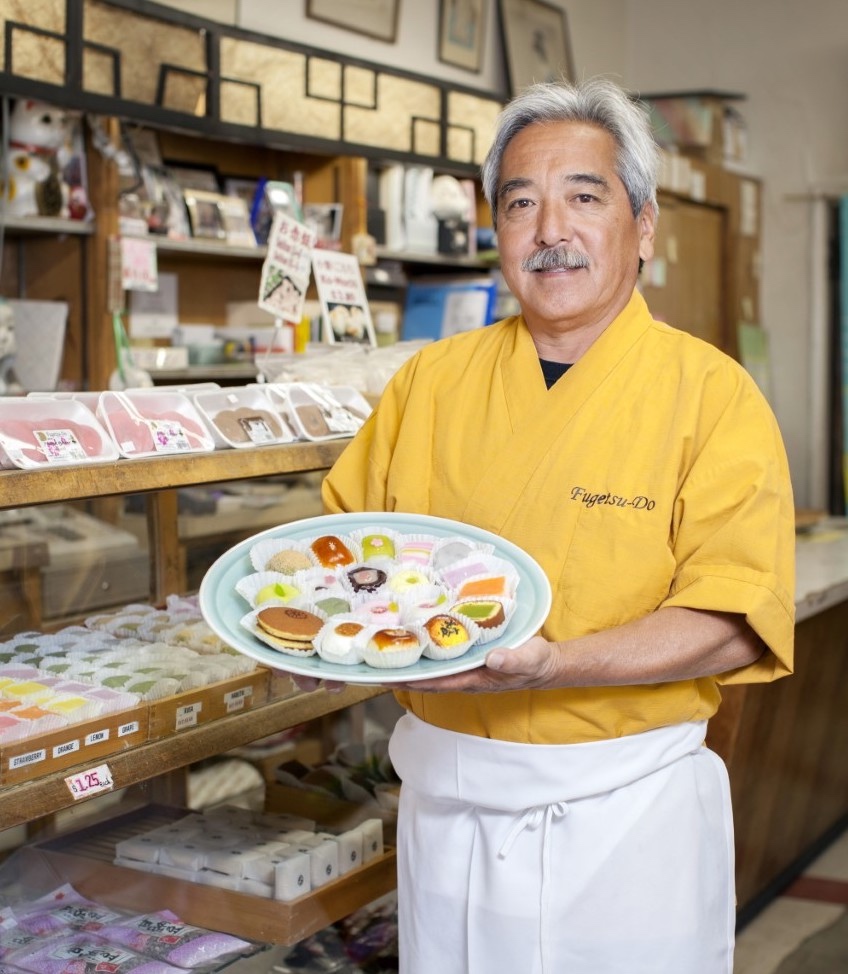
{"x":555,"y":258}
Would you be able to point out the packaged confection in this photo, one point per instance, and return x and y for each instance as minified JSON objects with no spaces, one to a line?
{"x":85,"y":953}
{"x":314,"y":412}
{"x":242,"y":417}
{"x":163,"y":936}
{"x":47,"y":432}
{"x":150,"y":422}
{"x":62,"y":909}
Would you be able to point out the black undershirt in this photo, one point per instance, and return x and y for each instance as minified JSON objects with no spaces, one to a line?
{"x":553,"y":370}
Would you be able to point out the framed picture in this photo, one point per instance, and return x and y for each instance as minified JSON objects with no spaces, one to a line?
{"x":196,"y":177}
{"x":461,"y":28}
{"x":538,"y":47}
{"x":326,"y":220}
{"x":207,"y":219}
{"x":236,"y":219}
{"x":376,"y":18}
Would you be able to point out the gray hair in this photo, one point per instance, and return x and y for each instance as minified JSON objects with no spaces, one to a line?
{"x":595,"y":102}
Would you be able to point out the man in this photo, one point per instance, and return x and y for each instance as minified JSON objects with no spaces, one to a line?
{"x":559,"y":812}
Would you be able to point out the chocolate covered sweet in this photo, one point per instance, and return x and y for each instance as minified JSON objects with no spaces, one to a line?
{"x":366,"y":579}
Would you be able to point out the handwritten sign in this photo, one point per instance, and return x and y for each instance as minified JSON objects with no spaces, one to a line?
{"x":285,"y":272}
{"x":139,"y":269}
{"x":84,"y":784}
{"x":342,"y":296}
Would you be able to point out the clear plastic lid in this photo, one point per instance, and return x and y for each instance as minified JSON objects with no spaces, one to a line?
{"x":152,"y":422}
{"x":51,"y":432}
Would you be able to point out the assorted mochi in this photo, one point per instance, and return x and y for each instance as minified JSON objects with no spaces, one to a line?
{"x":380,"y":597}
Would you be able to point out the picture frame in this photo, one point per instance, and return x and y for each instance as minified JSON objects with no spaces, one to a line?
{"x":462,"y":28}
{"x":537,"y":43}
{"x":374,"y":18}
{"x":235,"y":216}
{"x":326,"y":220}
{"x":207,"y":218}
{"x":204,"y":178}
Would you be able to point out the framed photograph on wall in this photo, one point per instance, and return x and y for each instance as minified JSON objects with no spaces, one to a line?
{"x":462,"y":25}
{"x":537,"y":43}
{"x":376,"y":18}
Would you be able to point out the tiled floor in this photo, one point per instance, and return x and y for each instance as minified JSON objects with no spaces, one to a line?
{"x":772,"y":941}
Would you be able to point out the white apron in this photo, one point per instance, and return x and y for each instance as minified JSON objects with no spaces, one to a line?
{"x":611,"y":857}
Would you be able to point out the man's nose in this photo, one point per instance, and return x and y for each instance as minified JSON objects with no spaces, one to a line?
{"x":554,"y":224}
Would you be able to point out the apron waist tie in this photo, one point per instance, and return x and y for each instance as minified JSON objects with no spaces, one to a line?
{"x":532,"y":818}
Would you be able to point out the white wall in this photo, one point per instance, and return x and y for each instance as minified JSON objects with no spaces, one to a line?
{"x":790,"y":60}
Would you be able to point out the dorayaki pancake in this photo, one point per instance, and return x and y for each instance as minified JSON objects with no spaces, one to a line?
{"x":293,"y":628}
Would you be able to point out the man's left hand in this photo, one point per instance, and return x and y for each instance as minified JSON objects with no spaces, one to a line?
{"x":532,"y":665}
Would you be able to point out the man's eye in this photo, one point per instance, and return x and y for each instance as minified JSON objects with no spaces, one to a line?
{"x":586,"y":198}
{"x":518,"y":204}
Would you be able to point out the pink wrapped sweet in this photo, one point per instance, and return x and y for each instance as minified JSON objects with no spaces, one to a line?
{"x":165,"y":937}
{"x":84,"y":953}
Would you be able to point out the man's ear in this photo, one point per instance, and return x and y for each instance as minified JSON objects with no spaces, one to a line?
{"x":647,"y":221}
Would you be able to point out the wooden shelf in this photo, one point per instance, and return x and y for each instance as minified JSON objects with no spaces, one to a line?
{"x":33,"y":225}
{"x":85,"y":859}
{"x":207,"y":248}
{"x":25,"y":487}
{"x":22,"y":803}
{"x":438,"y":260}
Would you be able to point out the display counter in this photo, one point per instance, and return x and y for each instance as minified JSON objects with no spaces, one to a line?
{"x":785,"y":742}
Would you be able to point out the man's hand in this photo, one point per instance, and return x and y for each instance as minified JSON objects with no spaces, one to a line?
{"x":309,"y":683}
{"x":532,"y":665}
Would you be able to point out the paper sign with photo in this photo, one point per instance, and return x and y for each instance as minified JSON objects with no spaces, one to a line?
{"x":285,"y":272}
{"x":344,"y":307}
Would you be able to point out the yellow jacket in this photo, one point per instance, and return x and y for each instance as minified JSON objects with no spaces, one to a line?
{"x":652,"y":474}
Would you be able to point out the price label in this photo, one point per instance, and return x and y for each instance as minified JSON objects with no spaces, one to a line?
{"x":91,"y":782}
{"x":168,"y":436}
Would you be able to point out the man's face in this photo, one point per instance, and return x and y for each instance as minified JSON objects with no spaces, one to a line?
{"x":559,"y":189}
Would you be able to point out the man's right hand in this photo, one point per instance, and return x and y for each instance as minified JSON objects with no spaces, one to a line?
{"x":309,"y":683}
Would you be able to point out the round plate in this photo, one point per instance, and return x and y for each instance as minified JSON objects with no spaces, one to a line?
{"x":223,"y":608}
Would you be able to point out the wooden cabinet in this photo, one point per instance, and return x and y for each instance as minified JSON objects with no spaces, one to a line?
{"x":704,"y":277}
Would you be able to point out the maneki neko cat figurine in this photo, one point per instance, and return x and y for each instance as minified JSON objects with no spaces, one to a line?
{"x":37,"y":132}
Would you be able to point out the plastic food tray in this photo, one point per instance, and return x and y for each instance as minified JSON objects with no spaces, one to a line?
{"x":242,"y":417}
{"x":151,"y":422}
{"x":51,"y":432}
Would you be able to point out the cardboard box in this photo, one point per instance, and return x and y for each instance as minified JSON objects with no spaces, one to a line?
{"x":170,"y":715}
{"x":84,"y":858}
{"x":704,"y":123}
{"x":79,"y":744}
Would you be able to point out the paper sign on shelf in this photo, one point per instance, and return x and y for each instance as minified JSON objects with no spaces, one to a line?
{"x":285,"y":272}
{"x":139,"y":269}
{"x":341,"y":292}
